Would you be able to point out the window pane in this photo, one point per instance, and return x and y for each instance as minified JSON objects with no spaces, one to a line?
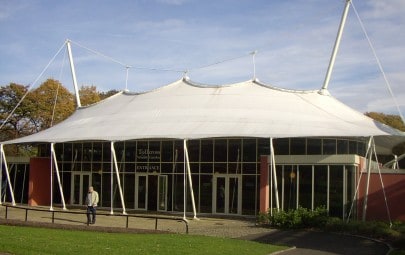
{"x":206,"y":193}
{"x":342,"y":146}
{"x":314,"y":146}
{"x":193,"y":148}
{"x":207,"y":150}
{"x":142,"y":151}
{"x":250,"y":197}
{"x":305,"y":192}
{"x":206,"y":168}
{"x":235,"y":150}
{"x":249,"y":150}
{"x":220,"y":168}
{"x":320,"y":186}
{"x":263,"y":147}
{"x":329,"y":146}
{"x":220,"y":150}
{"x":281,"y":146}
{"x":290,"y":187}
{"x":154,"y":151}
{"x":336,"y":191}
{"x":298,"y":146}
{"x":167,"y":151}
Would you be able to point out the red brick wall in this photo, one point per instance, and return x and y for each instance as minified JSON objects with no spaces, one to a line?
{"x":394,"y":184}
{"x":39,"y":187}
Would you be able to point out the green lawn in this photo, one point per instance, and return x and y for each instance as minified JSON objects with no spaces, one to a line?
{"x":29,"y":240}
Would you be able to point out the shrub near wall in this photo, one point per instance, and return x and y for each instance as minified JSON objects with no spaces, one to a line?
{"x":299,"y":218}
{"x":319,"y":219}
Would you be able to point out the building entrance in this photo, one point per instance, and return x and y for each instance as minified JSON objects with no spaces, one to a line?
{"x":80,"y":184}
{"x":227,"y":194}
{"x":151,"y":192}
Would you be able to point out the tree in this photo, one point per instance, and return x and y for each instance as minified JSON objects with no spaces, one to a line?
{"x":89,"y":95}
{"x":394,"y":121}
{"x":104,"y":95}
{"x":14,"y":124}
{"x":50,"y":104}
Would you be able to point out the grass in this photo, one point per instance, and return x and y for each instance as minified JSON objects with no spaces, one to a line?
{"x":30,"y":240}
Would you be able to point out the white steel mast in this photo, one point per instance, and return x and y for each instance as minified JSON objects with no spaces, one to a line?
{"x":72,"y":68}
{"x":324,"y":89}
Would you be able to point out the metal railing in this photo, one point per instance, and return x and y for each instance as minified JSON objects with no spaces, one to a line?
{"x":127,"y":216}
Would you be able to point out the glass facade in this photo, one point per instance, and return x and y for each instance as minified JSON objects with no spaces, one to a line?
{"x":225,"y":174}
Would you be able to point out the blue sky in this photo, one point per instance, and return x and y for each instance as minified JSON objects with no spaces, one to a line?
{"x":293,"y":39}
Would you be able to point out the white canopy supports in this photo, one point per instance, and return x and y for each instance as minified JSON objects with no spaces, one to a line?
{"x":369,"y":161}
{"x":371,"y":151}
{"x":72,"y":68}
{"x":274,"y":174}
{"x":115,"y":166}
{"x":55,"y":163}
{"x":336,"y":47}
{"x":189,"y":178}
{"x":3,"y":162}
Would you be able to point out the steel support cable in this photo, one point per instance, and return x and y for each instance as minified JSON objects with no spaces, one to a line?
{"x":126,"y":66}
{"x":57,"y":89}
{"x":32,"y":85}
{"x":379,"y":63}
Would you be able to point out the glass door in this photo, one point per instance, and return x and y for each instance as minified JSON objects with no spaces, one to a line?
{"x":141,"y":192}
{"x":162,"y":193}
{"x":80,"y":184}
{"x":227,"y":194}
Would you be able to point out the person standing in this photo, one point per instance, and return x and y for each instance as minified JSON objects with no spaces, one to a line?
{"x":91,"y":202}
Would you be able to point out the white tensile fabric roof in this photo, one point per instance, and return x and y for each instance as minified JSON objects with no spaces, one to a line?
{"x":184,"y":110}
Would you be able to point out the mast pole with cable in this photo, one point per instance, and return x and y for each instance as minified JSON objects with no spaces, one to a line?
{"x":324,"y":89}
{"x":72,"y":68}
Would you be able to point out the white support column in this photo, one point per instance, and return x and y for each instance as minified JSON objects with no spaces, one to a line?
{"x":336,"y":47}
{"x":51,"y":176}
{"x":184,"y":185}
{"x":382,"y":186}
{"x":114,"y":159}
{"x":72,"y":68}
{"x":3,"y":156}
{"x":369,"y":161}
{"x":189,"y":179}
{"x":112,"y":186}
{"x":1,"y":175}
{"x":273,"y":166}
{"x":55,"y":161}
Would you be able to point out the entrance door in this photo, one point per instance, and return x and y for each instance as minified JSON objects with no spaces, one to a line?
{"x":80,"y":184}
{"x":141,"y":192}
{"x":227,"y":194}
{"x":151,"y":192}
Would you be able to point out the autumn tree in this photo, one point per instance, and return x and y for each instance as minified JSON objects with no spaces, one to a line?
{"x":89,"y":95}
{"x":104,"y":95}
{"x":50,"y":104}
{"x":394,"y":121}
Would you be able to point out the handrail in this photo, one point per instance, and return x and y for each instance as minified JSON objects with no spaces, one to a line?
{"x":156,"y":218}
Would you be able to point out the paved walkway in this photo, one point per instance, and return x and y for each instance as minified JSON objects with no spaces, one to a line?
{"x":305,"y":242}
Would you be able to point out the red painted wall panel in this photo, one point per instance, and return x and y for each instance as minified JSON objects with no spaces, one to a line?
{"x":39,"y":187}
{"x":264,"y":184}
{"x":394,"y":186}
